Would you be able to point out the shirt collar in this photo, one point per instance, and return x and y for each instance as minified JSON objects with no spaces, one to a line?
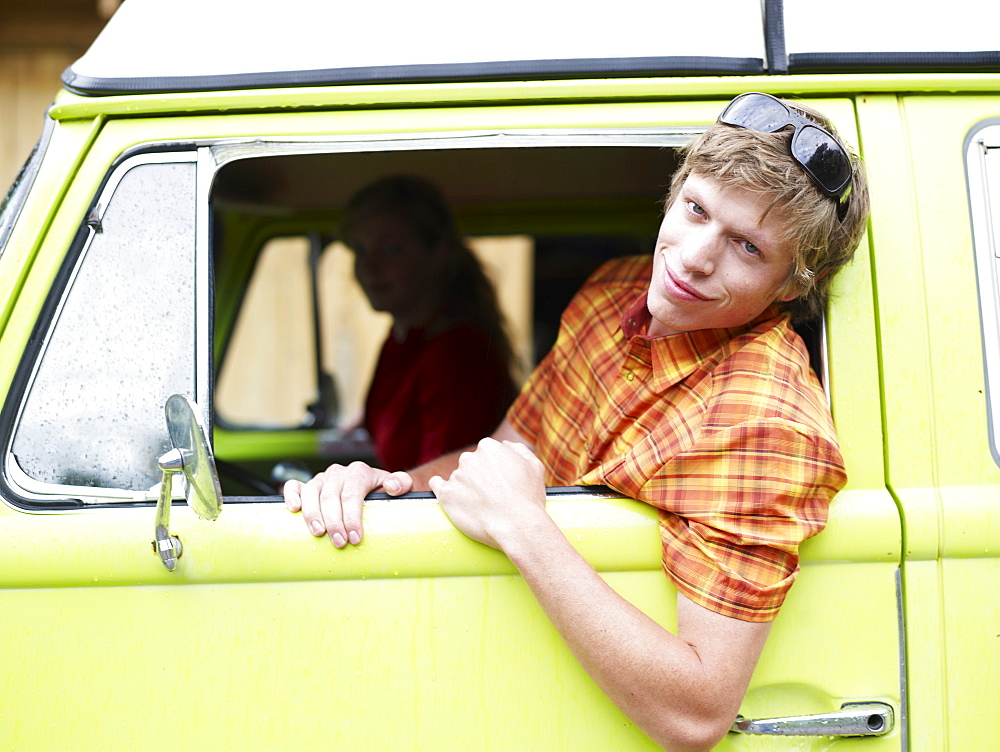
{"x":676,"y":356}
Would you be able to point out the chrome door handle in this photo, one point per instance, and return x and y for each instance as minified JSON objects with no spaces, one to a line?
{"x":853,"y":719}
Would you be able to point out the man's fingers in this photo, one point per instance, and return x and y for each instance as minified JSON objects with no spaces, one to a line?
{"x":343,"y":505}
{"x":332,"y":502}
{"x":435,"y":483}
{"x":292,"y":493}
{"x":397,"y":483}
{"x":358,"y":481}
{"x":309,"y":496}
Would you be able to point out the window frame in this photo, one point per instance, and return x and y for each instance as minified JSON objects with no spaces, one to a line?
{"x":17,"y":486}
{"x":14,"y":199}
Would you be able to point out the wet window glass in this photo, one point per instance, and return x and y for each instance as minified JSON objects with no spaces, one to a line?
{"x":121,"y":342}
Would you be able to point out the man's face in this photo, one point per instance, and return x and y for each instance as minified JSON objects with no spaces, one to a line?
{"x":717,"y":263}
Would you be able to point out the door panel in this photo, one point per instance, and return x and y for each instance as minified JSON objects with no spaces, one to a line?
{"x":419,"y":636}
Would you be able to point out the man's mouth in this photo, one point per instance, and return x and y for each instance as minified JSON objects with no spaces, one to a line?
{"x":681,"y":289}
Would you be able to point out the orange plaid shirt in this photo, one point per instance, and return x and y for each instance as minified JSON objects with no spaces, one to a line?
{"x":726,"y":431}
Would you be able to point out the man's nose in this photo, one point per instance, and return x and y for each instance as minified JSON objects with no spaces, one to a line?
{"x":699,"y":253}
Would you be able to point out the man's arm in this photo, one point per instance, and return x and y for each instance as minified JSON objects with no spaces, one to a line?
{"x":683,"y":690}
{"x":331,"y":503}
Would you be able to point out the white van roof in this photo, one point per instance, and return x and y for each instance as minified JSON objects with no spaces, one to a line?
{"x":200,"y":45}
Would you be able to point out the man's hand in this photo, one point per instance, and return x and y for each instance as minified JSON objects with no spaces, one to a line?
{"x":496,"y":492}
{"x":331,"y":502}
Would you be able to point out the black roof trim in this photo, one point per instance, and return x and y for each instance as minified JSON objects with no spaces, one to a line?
{"x":774,"y":37}
{"x":894,"y":62}
{"x":437,"y":73}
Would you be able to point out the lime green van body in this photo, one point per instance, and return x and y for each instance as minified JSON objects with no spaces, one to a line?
{"x":420,"y":638}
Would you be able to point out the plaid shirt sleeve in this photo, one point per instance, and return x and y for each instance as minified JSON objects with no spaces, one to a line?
{"x":740,"y":484}
{"x":735,"y":507}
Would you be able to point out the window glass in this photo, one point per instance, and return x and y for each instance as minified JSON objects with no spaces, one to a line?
{"x":121,"y":343}
{"x":983,"y":169}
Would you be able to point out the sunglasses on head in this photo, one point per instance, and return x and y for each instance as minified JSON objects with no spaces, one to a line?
{"x":815,"y":149}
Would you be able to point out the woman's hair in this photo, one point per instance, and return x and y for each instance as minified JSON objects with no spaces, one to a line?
{"x":763,"y":162}
{"x":467,"y":293}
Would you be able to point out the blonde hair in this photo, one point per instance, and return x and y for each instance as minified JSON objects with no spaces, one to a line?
{"x":763,"y":162}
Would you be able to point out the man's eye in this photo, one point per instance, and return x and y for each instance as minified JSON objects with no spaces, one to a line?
{"x":695,"y":208}
{"x":751,"y":248}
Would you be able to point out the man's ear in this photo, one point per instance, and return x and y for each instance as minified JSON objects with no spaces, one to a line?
{"x":789,"y":292}
{"x":792,"y":292}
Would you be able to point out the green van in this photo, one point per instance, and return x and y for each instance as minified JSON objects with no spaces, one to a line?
{"x":175,"y":232}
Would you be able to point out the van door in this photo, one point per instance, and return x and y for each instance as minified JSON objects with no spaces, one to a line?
{"x":418,"y":637}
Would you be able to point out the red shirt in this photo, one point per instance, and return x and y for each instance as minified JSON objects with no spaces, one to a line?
{"x":430,"y":396}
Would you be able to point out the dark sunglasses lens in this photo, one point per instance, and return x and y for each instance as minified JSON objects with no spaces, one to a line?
{"x":757,"y":112}
{"x":823,"y":158}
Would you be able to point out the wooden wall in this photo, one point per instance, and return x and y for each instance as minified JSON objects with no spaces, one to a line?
{"x":38,"y":40}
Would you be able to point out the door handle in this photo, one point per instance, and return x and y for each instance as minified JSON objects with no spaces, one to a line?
{"x":853,"y":719}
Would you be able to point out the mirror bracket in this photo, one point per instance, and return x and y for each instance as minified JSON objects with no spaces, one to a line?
{"x":191,"y":455}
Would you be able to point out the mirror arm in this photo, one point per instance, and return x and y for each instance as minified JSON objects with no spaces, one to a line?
{"x":166,"y":545}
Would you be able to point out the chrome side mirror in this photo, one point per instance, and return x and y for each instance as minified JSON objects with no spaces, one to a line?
{"x":192,"y":456}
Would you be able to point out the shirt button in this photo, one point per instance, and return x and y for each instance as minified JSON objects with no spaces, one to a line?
{"x":629,"y":375}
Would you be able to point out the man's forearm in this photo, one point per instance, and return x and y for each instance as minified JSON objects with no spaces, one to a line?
{"x":682,"y":691}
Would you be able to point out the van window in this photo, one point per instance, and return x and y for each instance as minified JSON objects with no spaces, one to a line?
{"x":539,"y":219}
{"x":120,"y":341}
{"x":294,"y":340}
{"x":983,"y":171}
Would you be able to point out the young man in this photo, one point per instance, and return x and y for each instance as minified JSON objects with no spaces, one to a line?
{"x":677,"y":380}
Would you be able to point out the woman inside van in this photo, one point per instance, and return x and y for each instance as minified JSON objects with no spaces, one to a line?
{"x":443,"y":377}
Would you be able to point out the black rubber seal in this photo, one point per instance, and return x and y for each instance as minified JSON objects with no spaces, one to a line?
{"x":436,"y":73}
